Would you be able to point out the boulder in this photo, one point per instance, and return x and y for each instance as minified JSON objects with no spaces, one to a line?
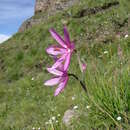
{"x":68,"y":117}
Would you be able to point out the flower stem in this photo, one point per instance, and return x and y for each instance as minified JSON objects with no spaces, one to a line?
{"x":81,"y":82}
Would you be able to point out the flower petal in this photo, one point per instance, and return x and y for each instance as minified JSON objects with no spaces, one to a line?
{"x":66,"y":36}
{"x":53,"y":81}
{"x":61,"y":86}
{"x":55,"y":71}
{"x":55,"y":58}
{"x":58,"y":62}
{"x":72,"y":46}
{"x":55,"y":50}
{"x":67,"y":61}
{"x":57,"y":37}
{"x":61,"y":66}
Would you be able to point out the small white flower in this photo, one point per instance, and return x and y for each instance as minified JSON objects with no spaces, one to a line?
{"x":73,"y":98}
{"x":105,"y":52}
{"x":57,"y":121}
{"x":75,"y":107}
{"x":32,"y":78}
{"x":33,"y":128}
{"x":87,"y":107}
{"x":46,"y":123}
{"x":126,"y":35}
{"x":53,"y":118}
{"x":39,"y":128}
{"x":81,"y":34}
{"x":118,"y":118}
{"x":58,"y":115}
{"x":100,"y":56}
{"x":50,"y":121}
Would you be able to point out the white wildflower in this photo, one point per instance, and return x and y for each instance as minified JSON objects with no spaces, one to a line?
{"x":105,"y":52}
{"x":126,"y":35}
{"x":100,"y":56}
{"x":87,"y":107}
{"x":118,"y":118}
{"x":33,"y":128}
{"x":39,"y":128}
{"x":53,"y":118}
{"x":81,"y":34}
{"x":50,"y":121}
{"x":46,"y":123}
{"x":73,"y":98}
{"x":32,"y":78}
{"x":57,"y":121}
{"x":75,"y":107}
{"x":58,"y":115}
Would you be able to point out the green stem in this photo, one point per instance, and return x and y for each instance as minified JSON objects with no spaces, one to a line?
{"x":81,"y":82}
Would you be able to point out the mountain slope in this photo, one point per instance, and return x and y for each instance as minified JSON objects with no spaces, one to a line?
{"x":25,"y":102}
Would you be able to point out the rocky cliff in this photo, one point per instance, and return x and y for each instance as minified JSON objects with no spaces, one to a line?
{"x":46,"y":8}
{"x":52,"y":6}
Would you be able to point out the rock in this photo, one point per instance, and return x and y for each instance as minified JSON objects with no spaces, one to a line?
{"x":68,"y":117}
{"x":52,"y":6}
{"x":41,"y":6}
{"x":46,"y":8}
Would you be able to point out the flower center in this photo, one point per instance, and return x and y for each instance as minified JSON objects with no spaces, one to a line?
{"x":56,"y":49}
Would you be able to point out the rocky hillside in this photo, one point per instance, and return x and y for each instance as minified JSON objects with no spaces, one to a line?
{"x":101,"y":32}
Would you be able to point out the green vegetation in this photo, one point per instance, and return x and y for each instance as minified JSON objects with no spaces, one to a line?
{"x":25,"y":102}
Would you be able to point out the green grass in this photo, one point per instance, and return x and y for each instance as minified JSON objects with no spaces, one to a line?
{"x":27,"y":103}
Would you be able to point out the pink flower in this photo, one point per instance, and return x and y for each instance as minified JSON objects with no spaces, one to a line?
{"x":60,"y":78}
{"x":63,"y":51}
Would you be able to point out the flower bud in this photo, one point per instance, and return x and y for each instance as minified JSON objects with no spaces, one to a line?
{"x":84,"y":66}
